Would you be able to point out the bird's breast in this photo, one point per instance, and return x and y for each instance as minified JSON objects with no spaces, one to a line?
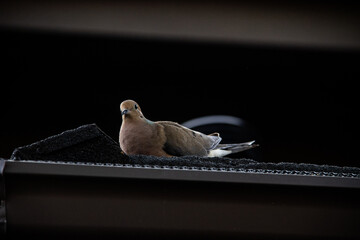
{"x":138,"y":139}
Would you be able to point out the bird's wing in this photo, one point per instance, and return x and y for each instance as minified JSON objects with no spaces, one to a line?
{"x":181,"y":141}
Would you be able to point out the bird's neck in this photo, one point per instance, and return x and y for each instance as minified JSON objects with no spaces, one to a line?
{"x":136,"y":121}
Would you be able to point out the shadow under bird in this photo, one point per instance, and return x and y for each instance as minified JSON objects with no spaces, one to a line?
{"x":139,"y":135}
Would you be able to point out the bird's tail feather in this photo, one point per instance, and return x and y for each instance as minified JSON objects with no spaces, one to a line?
{"x":237,"y":147}
{"x":222,"y":150}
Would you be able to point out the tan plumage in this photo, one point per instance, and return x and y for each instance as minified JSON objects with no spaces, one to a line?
{"x":139,"y":135}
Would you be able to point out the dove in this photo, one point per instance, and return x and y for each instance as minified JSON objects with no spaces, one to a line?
{"x":141,"y":136}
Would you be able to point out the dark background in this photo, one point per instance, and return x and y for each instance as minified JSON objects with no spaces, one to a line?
{"x":300,"y":101}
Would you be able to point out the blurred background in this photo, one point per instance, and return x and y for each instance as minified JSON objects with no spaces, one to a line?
{"x":287,"y":69}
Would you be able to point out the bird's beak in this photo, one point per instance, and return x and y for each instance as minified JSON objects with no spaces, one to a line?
{"x":125,"y":111}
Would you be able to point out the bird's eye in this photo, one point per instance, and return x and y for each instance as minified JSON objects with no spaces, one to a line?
{"x":136,"y":107}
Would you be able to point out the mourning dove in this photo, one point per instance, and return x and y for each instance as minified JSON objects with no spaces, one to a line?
{"x":139,"y":135}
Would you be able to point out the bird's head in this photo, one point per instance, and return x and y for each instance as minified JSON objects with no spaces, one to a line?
{"x":129,"y":108}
